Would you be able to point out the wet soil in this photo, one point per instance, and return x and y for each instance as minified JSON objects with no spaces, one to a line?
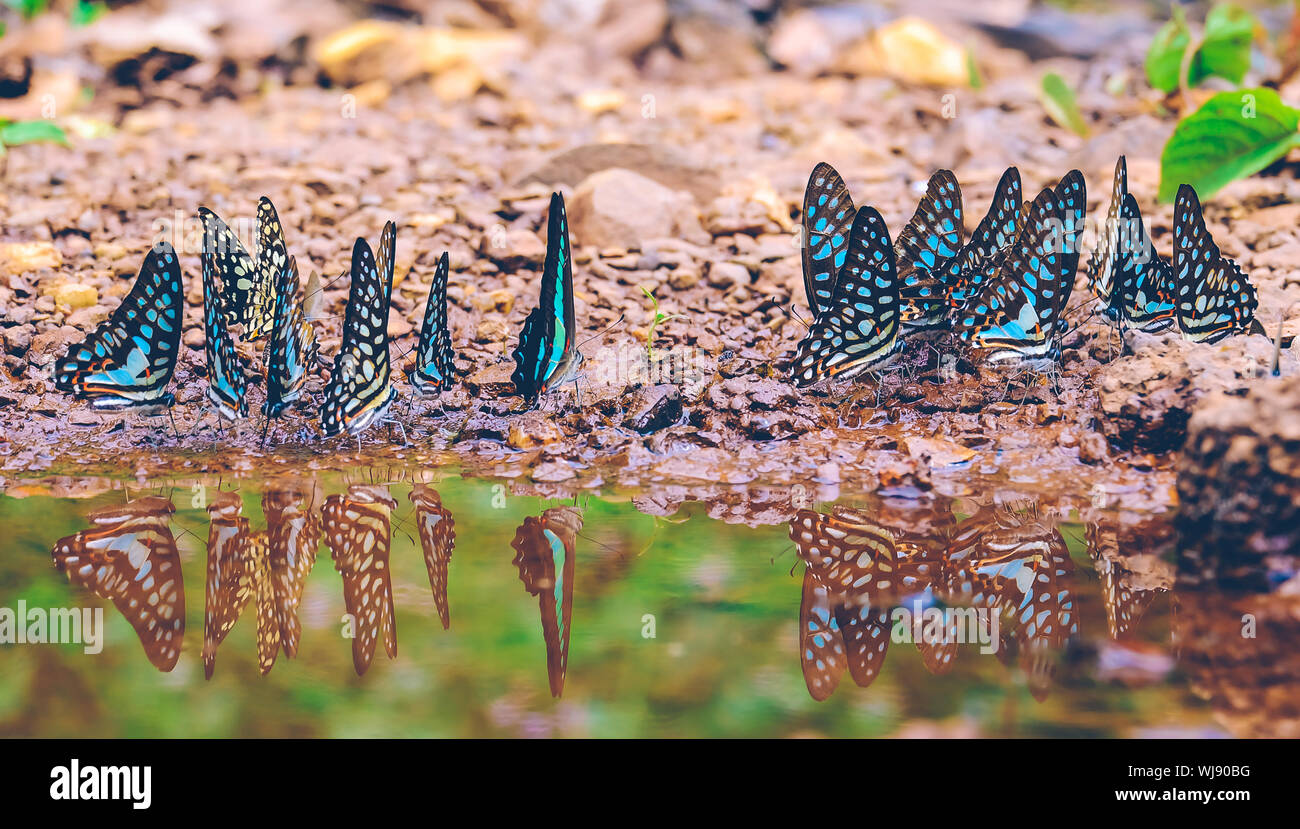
{"x":683,"y":151}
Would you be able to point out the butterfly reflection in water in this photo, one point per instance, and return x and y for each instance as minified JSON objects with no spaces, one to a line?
{"x":293,"y":533}
{"x":438,"y":539}
{"x":358,"y":532}
{"x":129,"y":557}
{"x":858,"y":570}
{"x":239,"y":570}
{"x":544,"y":553}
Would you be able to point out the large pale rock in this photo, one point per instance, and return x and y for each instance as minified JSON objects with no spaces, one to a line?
{"x":618,"y":208}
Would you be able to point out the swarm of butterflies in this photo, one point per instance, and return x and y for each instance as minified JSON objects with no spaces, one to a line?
{"x":1002,"y":292}
{"x":128,"y":361}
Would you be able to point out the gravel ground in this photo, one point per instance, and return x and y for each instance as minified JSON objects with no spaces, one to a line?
{"x":683,"y":153}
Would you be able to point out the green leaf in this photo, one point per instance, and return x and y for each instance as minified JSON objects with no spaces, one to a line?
{"x":1233,"y":135}
{"x":1229,"y":30}
{"x":1224,"y":52}
{"x":86,"y":12}
{"x":28,"y":132}
{"x":28,"y":8}
{"x":1058,"y":100}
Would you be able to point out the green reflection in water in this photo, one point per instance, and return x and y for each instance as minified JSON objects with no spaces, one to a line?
{"x":722,"y":600}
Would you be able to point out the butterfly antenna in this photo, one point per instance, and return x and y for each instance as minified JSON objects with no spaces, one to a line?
{"x":1077,"y":325}
{"x":793,"y":314}
{"x":608,"y":328}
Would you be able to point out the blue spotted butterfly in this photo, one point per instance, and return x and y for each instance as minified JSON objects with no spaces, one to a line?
{"x":1215,"y":298}
{"x":978,"y":260}
{"x":1013,"y":318}
{"x":858,"y":330}
{"x":127,"y":362}
{"x":925,"y":250}
{"x":359,"y":392}
{"x":292,"y":349}
{"x":1135,"y":284}
{"x":227,"y":384}
{"x":1072,"y":194}
{"x":827,"y":218}
{"x":248,"y":287}
{"x":433,"y":355}
{"x":546,"y":356}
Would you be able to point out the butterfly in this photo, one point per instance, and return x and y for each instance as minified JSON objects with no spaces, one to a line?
{"x":546,"y":357}
{"x":1135,"y":284}
{"x":129,"y":557}
{"x":544,"y":553}
{"x":1072,"y":194}
{"x":979,"y":257}
{"x":128,"y":360}
{"x":293,"y":536}
{"x":858,"y":330}
{"x":1215,"y":298}
{"x":433,"y":363}
{"x":227,"y":384}
{"x":827,"y":219}
{"x":292,"y":348}
{"x":358,"y":532}
{"x":248,"y":287}
{"x":1013,"y":317}
{"x":359,"y":391}
{"x":924,"y":250}
{"x":239,"y":570}
{"x":438,"y":539}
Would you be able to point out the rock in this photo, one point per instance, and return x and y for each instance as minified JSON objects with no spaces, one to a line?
{"x":492,"y":381}
{"x":18,"y":339}
{"x":397,"y":324}
{"x":809,"y":40}
{"x":485,"y":426}
{"x":513,"y":249}
{"x":618,"y":208}
{"x":531,"y":430}
{"x":653,"y":408}
{"x":1147,"y":398}
{"x":553,"y":471}
{"x":73,"y":296}
{"x":910,"y":49}
{"x":25,"y":257}
{"x":730,"y":215}
{"x":1239,"y":485}
{"x":87,"y":318}
{"x":939,"y":452}
{"x":683,"y":279}
{"x":491,"y":330}
{"x":727,"y":275}
{"x":499,"y":301}
{"x":1093,"y":449}
{"x":666,"y":166}
{"x":51,"y":345}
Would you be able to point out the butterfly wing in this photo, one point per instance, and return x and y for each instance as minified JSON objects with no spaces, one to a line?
{"x":1104,"y":264}
{"x":1013,"y":317}
{"x":433,"y":363}
{"x":859,"y":330}
{"x":358,"y":529}
{"x":1215,"y":298}
{"x":229,"y":583}
{"x":1072,"y":196}
{"x":258,"y":554}
{"x":128,"y":360}
{"x":293,"y":535}
{"x":227,"y":385}
{"x":546,"y":356}
{"x":359,"y":391}
{"x":545,"y":549}
{"x":827,"y":220}
{"x":245,"y":292}
{"x":1144,"y":292}
{"x":130,"y":559}
{"x":821,"y":645}
{"x":924,"y":250}
{"x":438,"y":540}
{"x":978,"y":259}
{"x":293,"y":346}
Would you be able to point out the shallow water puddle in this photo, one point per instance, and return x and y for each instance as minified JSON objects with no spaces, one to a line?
{"x":380,"y":602}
